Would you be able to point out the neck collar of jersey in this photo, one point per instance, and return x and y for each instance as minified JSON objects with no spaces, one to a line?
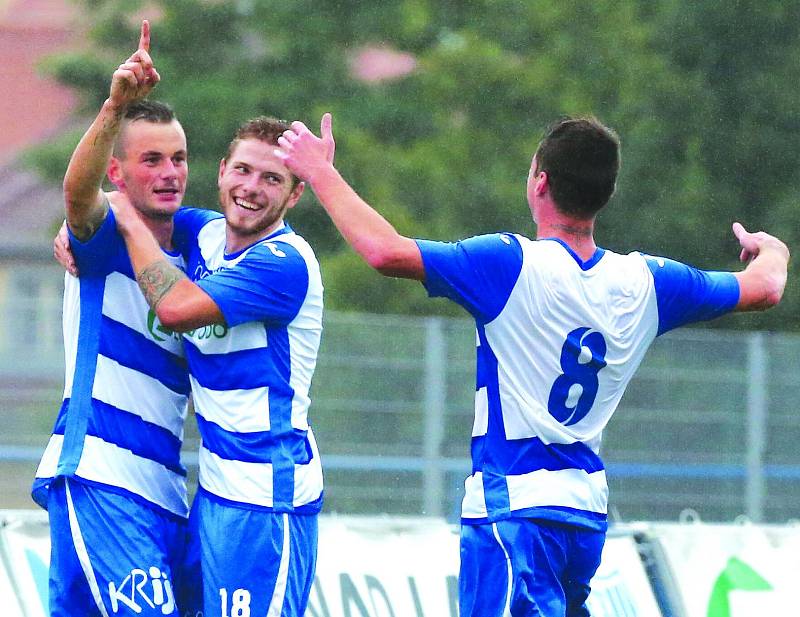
{"x":584,"y":265}
{"x":283,"y":229}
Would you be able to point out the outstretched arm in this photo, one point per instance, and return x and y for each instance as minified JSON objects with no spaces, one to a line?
{"x":762,"y":282}
{"x":179,"y":303}
{"x":370,"y":235}
{"x":83,"y":198}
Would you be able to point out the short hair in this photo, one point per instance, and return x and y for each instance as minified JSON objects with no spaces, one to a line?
{"x":263,"y":128}
{"x":581,"y":157}
{"x":155,"y":112}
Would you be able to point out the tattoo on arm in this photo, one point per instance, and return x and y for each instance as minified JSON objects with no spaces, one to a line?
{"x":157,"y":279}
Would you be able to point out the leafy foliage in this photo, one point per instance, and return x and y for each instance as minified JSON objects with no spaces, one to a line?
{"x":704,"y":96}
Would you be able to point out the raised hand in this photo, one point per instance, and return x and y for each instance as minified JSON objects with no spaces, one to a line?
{"x":304,"y":153}
{"x":136,"y":77}
{"x":753,"y":243}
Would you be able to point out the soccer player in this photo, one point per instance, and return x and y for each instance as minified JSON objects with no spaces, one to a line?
{"x":562,"y":325}
{"x":111,"y":477}
{"x":252,"y":319}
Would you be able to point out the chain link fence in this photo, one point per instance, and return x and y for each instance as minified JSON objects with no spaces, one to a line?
{"x":707,"y":425}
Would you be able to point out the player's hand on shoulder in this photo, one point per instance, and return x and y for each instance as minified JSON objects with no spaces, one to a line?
{"x":62,"y":251}
{"x":124,"y":212}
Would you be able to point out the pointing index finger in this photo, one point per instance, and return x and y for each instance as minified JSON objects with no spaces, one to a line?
{"x":144,"y":37}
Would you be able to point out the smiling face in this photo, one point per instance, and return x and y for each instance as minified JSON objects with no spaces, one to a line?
{"x":152,"y":167}
{"x":255,"y":191}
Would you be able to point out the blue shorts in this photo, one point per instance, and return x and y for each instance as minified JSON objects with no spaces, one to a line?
{"x":244,"y":561}
{"x":526,"y":568}
{"x":110,"y":554}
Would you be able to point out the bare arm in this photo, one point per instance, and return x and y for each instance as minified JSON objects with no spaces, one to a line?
{"x":370,"y":235}
{"x":85,"y":206}
{"x":762,"y":282}
{"x":180,"y":304}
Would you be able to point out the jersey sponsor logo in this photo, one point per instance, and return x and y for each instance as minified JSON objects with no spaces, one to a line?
{"x":158,"y":331}
{"x":142,"y":588}
{"x":207,"y":332}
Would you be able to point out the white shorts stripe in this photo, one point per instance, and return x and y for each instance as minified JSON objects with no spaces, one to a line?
{"x":279,"y":593}
{"x":83,"y":554}
{"x":509,"y":571}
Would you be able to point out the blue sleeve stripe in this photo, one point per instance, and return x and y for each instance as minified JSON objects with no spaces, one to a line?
{"x":686,"y":295}
{"x":478,"y":273}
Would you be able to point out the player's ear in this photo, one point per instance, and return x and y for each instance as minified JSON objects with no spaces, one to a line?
{"x":222,"y":165}
{"x":114,"y":173}
{"x":295,"y":195}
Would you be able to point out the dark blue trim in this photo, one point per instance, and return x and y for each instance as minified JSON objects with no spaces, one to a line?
{"x":278,"y":232}
{"x":553,"y":514}
{"x":257,"y":447}
{"x":584,"y":265}
{"x":41,"y":488}
{"x":308,"y":509}
{"x":126,"y":493}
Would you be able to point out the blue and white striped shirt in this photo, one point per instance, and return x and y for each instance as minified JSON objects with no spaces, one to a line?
{"x":558,"y":341}
{"x":120,"y":424}
{"x":251,"y":378}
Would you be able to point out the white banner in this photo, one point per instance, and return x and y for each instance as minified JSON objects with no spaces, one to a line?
{"x":26,"y":547}
{"x":621,"y":587}
{"x":734,"y":570}
{"x":367,"y":567}
{"x":375,"y":567}
{"x":409,"y":568}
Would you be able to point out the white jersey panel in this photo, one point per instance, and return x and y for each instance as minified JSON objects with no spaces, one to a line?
{"x":615,"y":298}
{"x":70,"y":318}
{"x":135,"y":392}
{"x":233,"y":410}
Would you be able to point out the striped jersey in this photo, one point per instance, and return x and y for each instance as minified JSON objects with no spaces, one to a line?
{"x":558,"y":340}
{"x":251,"y":377}
{"x":120,"y":424}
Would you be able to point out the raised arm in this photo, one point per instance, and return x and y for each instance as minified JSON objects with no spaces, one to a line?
{"x":762,"y":282}
{"x":179,"y":303}
{"x":371,"y":236}
{"x":84,"y":202}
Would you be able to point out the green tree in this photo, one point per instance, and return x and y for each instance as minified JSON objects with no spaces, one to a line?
{"x":704,"y":97}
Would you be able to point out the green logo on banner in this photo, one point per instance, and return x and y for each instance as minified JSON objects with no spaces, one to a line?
{"x":737,"y":575}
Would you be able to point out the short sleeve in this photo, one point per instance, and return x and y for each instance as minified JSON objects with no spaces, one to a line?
{"x":101,"y":253}
{"x":685,"y":294}
{"x":269,"y":284}
{"x":478,"y":273}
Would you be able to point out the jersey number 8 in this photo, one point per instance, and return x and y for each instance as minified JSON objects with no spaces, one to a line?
{"x":574,"y":391}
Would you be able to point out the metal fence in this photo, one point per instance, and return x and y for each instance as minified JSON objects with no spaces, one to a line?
{"x":708,"y":423}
